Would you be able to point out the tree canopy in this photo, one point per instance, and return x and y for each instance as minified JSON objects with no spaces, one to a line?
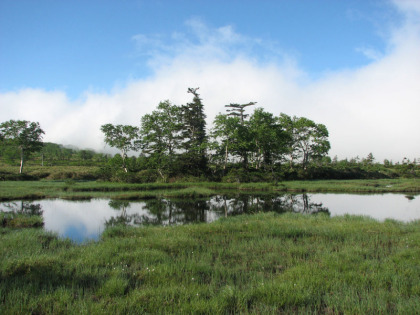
{"x":308,"y":140}
{"x":23,"y":135}
{"x":122,"y":137}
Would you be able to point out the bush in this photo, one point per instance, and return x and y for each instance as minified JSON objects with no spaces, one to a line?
{"x":236,"y":175}
{"x":104,"y":173}
{"x":16,"y":177}
{"x":147,"y":176}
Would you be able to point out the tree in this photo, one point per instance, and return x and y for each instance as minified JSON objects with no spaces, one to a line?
{"x":269,"y":137}
{"x":234,"y":133}
{"x":160,"y":137}
{"x":122,"y":137}
{"x":238,"y":110}
{"x":86,"y":154}
{"x":235,"y":138}
{"x":23,"y":135}
{"x":224,"y":136}
{"x":369,"y":159}
{"x":308,"y":139}
{"x":193,"y":133}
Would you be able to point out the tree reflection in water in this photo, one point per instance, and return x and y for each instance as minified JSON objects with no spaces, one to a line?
{"x":183,"y":211}
{"x":10,"y":211}
{"x":27,"y":208}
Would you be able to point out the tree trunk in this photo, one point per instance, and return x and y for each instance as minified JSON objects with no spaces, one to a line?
{"x":245,"y":161}
{"x":21,"y":162}
{"x":226,"y":156}
{"x":305,"y":160}
{"x":124,"y":155}
{"x":161,"y":174}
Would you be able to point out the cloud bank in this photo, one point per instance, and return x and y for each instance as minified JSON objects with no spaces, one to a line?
{"x":374,"y":108}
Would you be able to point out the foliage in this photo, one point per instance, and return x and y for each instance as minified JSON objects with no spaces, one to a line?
{"x":160,"y":137}
{"x":309,"y":141}
{"x":23,"y":135}
{"x":232,"y":139}
{"x":175,"y":147}
{"x":270,"y":138}
{"x":122,"y":137}
{"x":193,"y":133}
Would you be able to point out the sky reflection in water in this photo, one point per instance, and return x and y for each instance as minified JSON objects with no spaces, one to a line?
{"x":86,"y":220}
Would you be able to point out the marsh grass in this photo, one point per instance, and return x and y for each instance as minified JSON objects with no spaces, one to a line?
{"x":49,"y":172}
{"x":192,"y":192}
{"x":357,"y":186}
{"x":73,"y":189}
{"x":15,"y":220}
{"x":264,"y":263}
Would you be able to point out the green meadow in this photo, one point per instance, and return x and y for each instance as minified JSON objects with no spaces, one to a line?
{"x":251,"y":264}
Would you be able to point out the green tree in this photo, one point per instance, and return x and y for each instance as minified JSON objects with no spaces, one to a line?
{"x":86,"y":154}
{"x":23,"y":135}
{"x":223,"y":135}
{"x":193,"y":133}
{"x":308,"y":139}
{"x":270,"y":140}
{"x":160,"y":138}
{"x":369,"y":159}
{"x":123,"y":137}
{"x":232,"y":138}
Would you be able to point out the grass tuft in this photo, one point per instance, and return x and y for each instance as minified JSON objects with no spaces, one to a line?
{"x":263,"y":263}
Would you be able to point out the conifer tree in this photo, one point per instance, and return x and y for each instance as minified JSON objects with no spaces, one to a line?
{"x":194,"y":134}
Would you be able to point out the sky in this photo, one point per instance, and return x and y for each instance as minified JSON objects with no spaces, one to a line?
{"x":354,"y":66}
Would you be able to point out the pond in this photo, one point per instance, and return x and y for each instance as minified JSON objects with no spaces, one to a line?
{"x":86,"y":220}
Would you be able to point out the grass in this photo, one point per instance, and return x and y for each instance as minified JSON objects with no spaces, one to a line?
{"x":71,"y":189}
{"x":366,"y":185}
{"x":49,"y":172}
{"x":16,"y":220}
{"x":264,"y":263}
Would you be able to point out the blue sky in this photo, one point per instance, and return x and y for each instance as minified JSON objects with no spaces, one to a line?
{"x":79,"y":45}
{"x":74,"y":65}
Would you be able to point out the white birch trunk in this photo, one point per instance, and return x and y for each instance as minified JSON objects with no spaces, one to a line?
{"x":21,"y":162}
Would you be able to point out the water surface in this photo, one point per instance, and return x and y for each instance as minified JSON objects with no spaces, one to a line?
{"x":86,"y":220}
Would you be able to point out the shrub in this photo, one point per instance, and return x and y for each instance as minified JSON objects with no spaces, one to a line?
{"x":147,"y":176}
{"x":236,"y":175}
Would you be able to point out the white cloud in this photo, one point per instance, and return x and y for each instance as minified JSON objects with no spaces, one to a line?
{"x":370,"y":53}
{"x":371,"y":109}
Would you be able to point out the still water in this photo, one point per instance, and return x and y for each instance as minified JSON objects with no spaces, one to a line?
{"x":86,"y":220}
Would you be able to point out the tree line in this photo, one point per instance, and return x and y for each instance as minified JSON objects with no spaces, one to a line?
{"x":174,"y":143}
{"x":173,"y":140}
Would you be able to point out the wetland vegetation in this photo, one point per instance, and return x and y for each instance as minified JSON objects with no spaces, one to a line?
{"x":259,"y":263}
{"x":262,"y":263}
{"x":71,"y":189}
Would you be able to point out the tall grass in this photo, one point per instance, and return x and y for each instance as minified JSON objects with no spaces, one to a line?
{"x":11,"y":190}
{"x":49,"y":172}
{"x":264,"y":263}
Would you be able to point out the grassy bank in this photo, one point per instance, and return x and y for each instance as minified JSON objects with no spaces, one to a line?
{"x":264,"y":263}
{"x":12,"y":190}
{"x":36,"y":172}
{"x":16,"y":220}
